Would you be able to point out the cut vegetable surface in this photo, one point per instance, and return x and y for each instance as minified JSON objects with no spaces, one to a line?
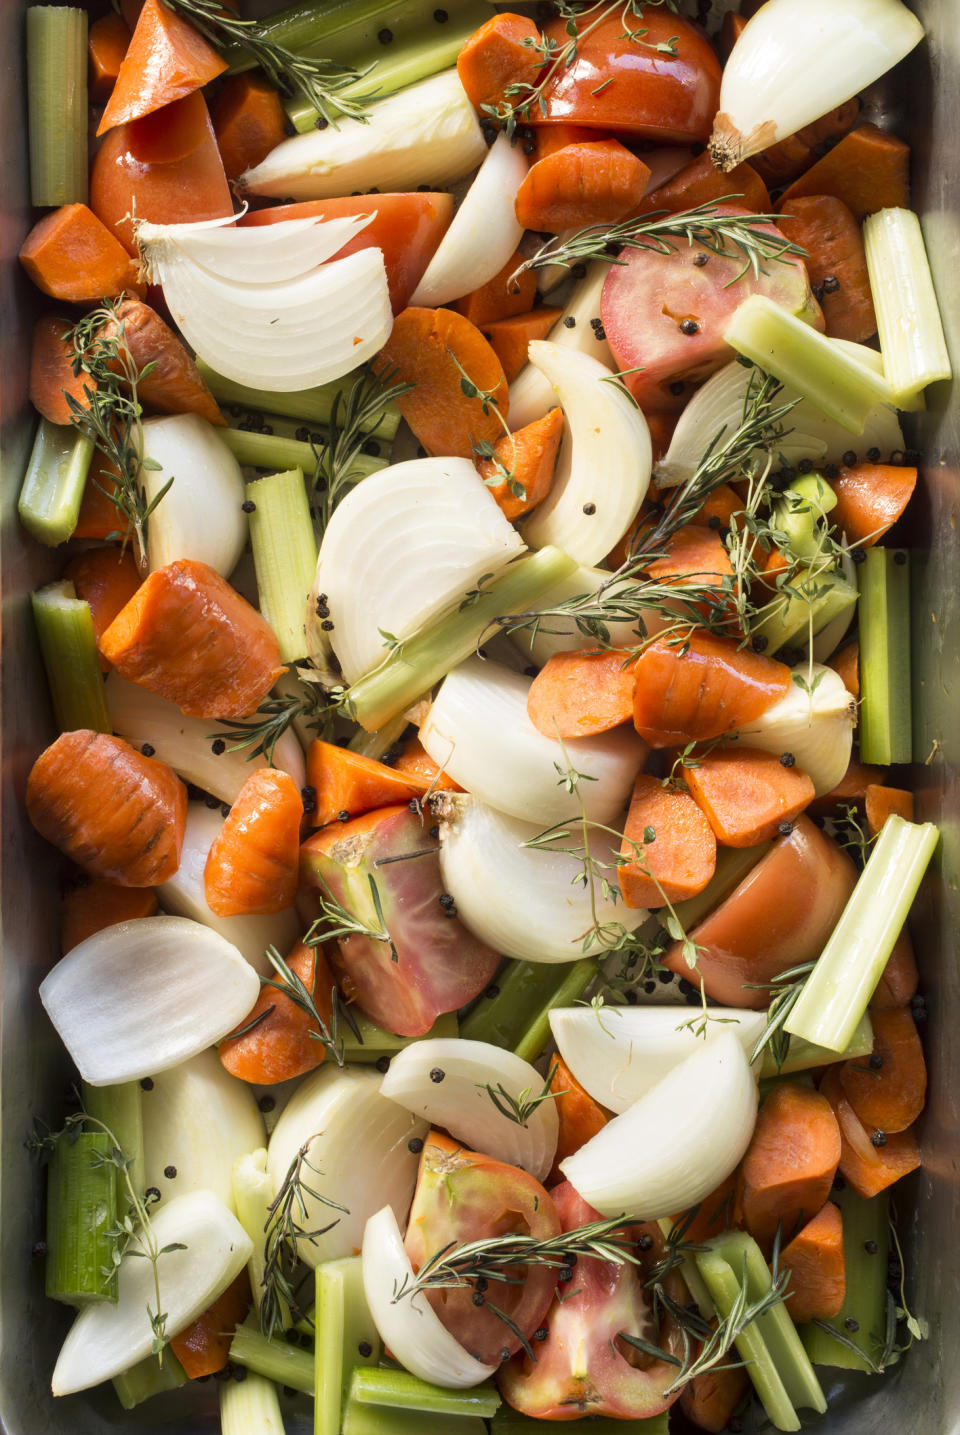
{"x":252,"y":864}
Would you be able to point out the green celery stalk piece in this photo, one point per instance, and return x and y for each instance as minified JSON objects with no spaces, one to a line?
{"x":121,"y":1111}
{"x":148,"y":1378}
{"x":68,"y":646}
{"x":802,"y":1055}
{"x":345,"y":1338}
{"x":573,"y":985}
{"x":274,"y":1359}
{"x":53,"y":484}
{"x":284,"y":556}
{"x":375,"y":1420}
{"x":884,"y":624}
{"x":250,"y":1407}
{"x":82,"y":1209}
{"x":375,"y":1043}
{"x":866,"y":1229}
{"x":399,"y":1390}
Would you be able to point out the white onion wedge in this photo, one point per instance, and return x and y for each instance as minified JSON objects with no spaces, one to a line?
{"x":426,"y":134}
{"x":619,"y":1053}
{"x":605,"y":458}
{"x":201,"y":515}
{"x":559,"y":633}
{"x":106,"y":1339}
{"x":358,"y":1146}
{"x":409,"y":1327}
{"x":462,"y":1105}
{"x":186,"y":744}
{"x":814,"y":721}
{"x":413,"y":539}
{"x":144,"y":995}
{"x":184,"y":895}
{"x":678,"y":1142}
{"x":531,"y":393}
{"x":254,"y":254}
{"x":484,"y":233}
{"x":525,"y":902}
{"x":302,"y":328}
{"x":798,"y":59}
{"x":479,"y":732}
{"x":198,"y":1120}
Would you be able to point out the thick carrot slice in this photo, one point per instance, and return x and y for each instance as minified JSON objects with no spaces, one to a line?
{"x":174,"y":385}
{"x":851,"y":789}
{"x":107,"y":579}
{"x":190,"y":637}
{"x":580,"y":1116}
{"x":868,"y":170}
{"x":89,"y":907}
{"x":791,"y":156}
{"x":510,"y":338}
{"x":870,"y":1162}
{"x":681,"y":858}
{"x":254,"y":859}
{"x":900,"y":979}
{"x":846,"y":663}
{"x":51,"y":371}
{"x":203,"y":1347}
{"x":887,"y":1089}
{"x":582,"y":694}
{"x":547,"y":139}
{"x":107,"y":43}
{"x":449,"y":362}
{"x":499,"y":54}
{"x":702,"y":689}
{"x":70,"y":255}
{"x":836,"y":262}
{"x":348,"y":782}
{"x":595,"y":182}
{"x":414,"y":761}
{"x":699,"y":183}
{"x":248,"y":121}
{"x":117,"y":814}
{"x":529,"y":457}
{"x":280,"y":1046}
{"x":716,"y":1213}
{"x":746,"y":794}
{"x":709,"y":1400}
{"x":870,"y":499}
{"x":818,"y":1271}
{"x":882,"y":802}
{"x":718,"y":507}
{"x":505,"y":295}
{"x":167,"y":59}
{"x":790,"y":1163}
{"x":694,"y":554}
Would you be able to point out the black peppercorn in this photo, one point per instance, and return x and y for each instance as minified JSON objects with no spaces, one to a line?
{"x":569,"y":322}
{"x":851,"y":1323}
{"x":147,"y":1083}
{"x":589,"y":509}
{"x":849,"y":458}
{"x":148,"y":749}
{"x":415,"y":1145}
{"x":831,"y":284}
{"x":879,"y":1138}
{"x":785,"y":828}
{"x":873,"y":454}
{"x":677,"y":387}
{"x":248,"y":506}
{"x":218,"y":746}
{"x":870,"y":1247}
{"x":876,"y":1061}
{"x":170,"y":1172}
{"x":645,"y":1242}
{"x":701,"y":259}
{"x":383,"y":1064}
{"x":689,"y":327}
{"x":787,"y":759}
{"x":385,"y":36}
{"x":437,"y":1075}
{"x":343,"y":815}
{"x":365,"y":1349}
{"x":267,"y":1103}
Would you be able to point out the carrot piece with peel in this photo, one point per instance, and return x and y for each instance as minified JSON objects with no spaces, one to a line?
{"x":413,"y":760}
{"x":680,"y":857}
{"x":248,"y":121}
{"x":254,"y":859}
{"x":280,"y":1047}
{"x":347,"y":782}
{"x":887,"y":1089}
{"x":117,"y":814}
{"x":700,"y":183}
{"x":509,"y":292}
{"x":746,"y":794}
{"x":868,"y":170}
{"x":203,"y":1347}
{"x":582,"y":694}
{"x":851,"y":789}
{"x":500,"y":54}
{"x":709,"y":1400}
{"x":107,"y":579}
{"x":450,"y":365}
{"x":787,"y":1172}
{"x":836,"y":262}
{"x":71,"y":255}
{"x":189,"y":637}
{"x":795,"y":153}
{"x":870,"y":499}
{"x":900,"y":979}
{"x":174,"y":385}
{"x":89,"y":907}
{"x":694,"y":554}
{"x":818,"y":1270}
{"x":881,"y":802}
{"x":869,"y":1161}
{"x":715,"y":1214}
{"x":510,"y":338}
{"x":845,"y":662}
{"x":107,"y":42}
{"x":547,"y":139}
{"x":700,"y":689}
{"x":529,"y":458}
{"x":51,"y":371}
{"x":580,"y":1116}
{"x":166,"y":60}
{"x":593,"y":182}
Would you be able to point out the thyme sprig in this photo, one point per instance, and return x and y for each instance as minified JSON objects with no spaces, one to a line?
{"x":520,"y":1108}
{"x":320,"y":82}
{"x":286,"y":1231}
{"x":786,"y":990}
{"x":355,"y":419}
{"x":261,"y":732}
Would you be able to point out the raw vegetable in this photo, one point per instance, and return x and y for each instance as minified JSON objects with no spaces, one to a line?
{"x":790,"y":1163}
{"x":165,"y":61}
{"x":68,"y":646}
{"x":868,"y":170}
{"x":669,"y":853}
{"x":203,"y":1347}
{"x":70,"y":255}
{"x":701,"y":689}
{"x":251,"y":868}
{"x":200,"y":513}
{"x":89,"y":906}
{"x":275,"y":1043}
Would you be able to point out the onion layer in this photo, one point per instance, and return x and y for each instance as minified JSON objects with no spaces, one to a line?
{"x":201,"y":514}
{"x":814,"y":721}
{"x":531,"y":393}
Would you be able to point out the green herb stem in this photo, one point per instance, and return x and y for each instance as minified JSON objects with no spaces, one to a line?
{"x":54,"y":482}
{"x":57,"y":104}
{"x":68,"y":646}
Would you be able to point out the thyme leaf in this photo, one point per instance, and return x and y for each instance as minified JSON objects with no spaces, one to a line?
{"x":355,"y":419}
{"x":520,"y":1108}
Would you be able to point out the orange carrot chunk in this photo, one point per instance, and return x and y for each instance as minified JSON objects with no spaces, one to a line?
{"x":580,"y":1116}
{"x":582,"y":694}
{"x":520,"y":474}
{"x":347,"y":782}
{"x":790,"y":1163}
{"x":71,"y":255}
{"x":510,"y":338}
{"x":846,"y":663}
{"x":746,"y":794}
{"x":107,"y":43}
{"x":882,"y":802}
{"x":547,"y":139}
{"x":174,"y":385}
{"x":694,"y":554}
{"x":699,"y":183}
{"x":868,"y":170}
{"x":870,"y":499}
{"x":117,"y":814}
{"x":710,"y":1400}
{"x":203,"y":1347}
{"x":89,"y":907}
{"x":190,"y":637}
{"x":414,"y":761}
{"x":792,"y":155}
{"x":869,"y":1161}
{"x":449,"y":362}
{"x":836,"y":262}
{"x":851,"y":789}
{"x":716,"y":1213}
{"x":680,"y":858}
{"x":107,"y":579}
{"x":51,"y":371}
{"x":280,"y":1046}
{"x":254,"y":859}
{"x":506,"y":294}
{"x":597,"y":182}
{"x":701,"y":689}
{"x":499,"y":54}
{"x":900,"y":979}
{"x":888,"y":1088}
{"x":818,"y":1271}
{"x":248,"y":121}
{"x":167,"y":59}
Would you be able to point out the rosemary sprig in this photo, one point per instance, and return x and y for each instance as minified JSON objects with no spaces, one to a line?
{"x":786,"y":990}
{"x":296,"y":990}
{"x":354,"y":421}
{"x":320,"y":82}
{"x":274,"y":716}
{"x":336,"y":920}
{"x":520,"y":1108}
{"x":285,"y":1231}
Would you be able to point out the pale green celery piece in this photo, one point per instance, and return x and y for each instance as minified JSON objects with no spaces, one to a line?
{"x":120,"y":1108}
{"x":812,"y":601}
{"x":57,"y":104}
{"x":68,"y":646}
{"x":148,"y":1378}
{"x":53,"y":484}
{"x":733,"y":865}
{"x":82,"y":1208}
{"x":884,"y":631}
{"x":345,"y":1338}
{"x":274,"y":1359}
{"x":426,"y":657}
{"x":399,"y":1390}
{"x":284,"y":556}
{"x":839,"y":988}
{"x":375,"y":1420}
{"x":311,"y":406}
{"x":252,"y":1195}
{"x":805,"y":501}
{"x":349,"y":31}
{"x":803,"y":1055}
{"x":866,"y":1234}
{"x":512,"y":1001}
{"x":572,"y":987}
{"x":276,"y":452}
{"x":250,"y":1407}
{"x":511,"y":1422}
{"x":375,"y":1043}
{"x":795,"y":353}
{"x":376,"y":744}
{"x":908,"y":315}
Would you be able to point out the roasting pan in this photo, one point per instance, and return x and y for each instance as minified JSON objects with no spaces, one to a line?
{"x":921,"y":1396}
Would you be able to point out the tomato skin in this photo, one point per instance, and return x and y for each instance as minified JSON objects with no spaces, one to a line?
{"x":582,"y":1368}
{"x":621,"y":85}
{"x":407,"y":227}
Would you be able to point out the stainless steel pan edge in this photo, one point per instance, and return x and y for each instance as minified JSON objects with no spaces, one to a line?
{"x":923,"y":1396}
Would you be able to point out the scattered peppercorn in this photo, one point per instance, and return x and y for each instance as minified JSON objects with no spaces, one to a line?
{"x":170,"y":1172}
{"x":441,"y":16}
{"x":152,"y":1194}
{"x":870,"y":1247}
{"x":689,"y":327}
{"x":876,"y":1061}
{"x":701,"y":259}
{"x":383,"y":1064}
{"x":849,"y":458}
{"x":873,"y":455}
{"x":385,"y":36}
{"x":900,"y":558}
{"x":267,"y":1103}
{"x":415,"y":1145}
{"x":39,"y":1248}
{"x":343,"y":815}
{"x":599,"y":332}
{"x":879,"y":1139}
{"x":327,"y":625}
{"x":479,"y":1298}
{"x":504,"y":1355}
{"x":148,"y":749}
{"x":578,"y":271}
{"x":851,"y":1323}
{"x":785,"y":828}
{"x":831,"y":471}
{"x":541,"y":1333}
{"x":859,"y":555}
{"x":569,"y":322}
{"x":308,"y":796}
{"x":645,"y":1242}
{"x":218,"y":746}
{"x":211,"y":802}
{"x":492,"y":991}
{"x":248,"y":506}
{"x":434,"y":832}
{"x":831,"y":284}
{"x":787,"y":759}
{"x":589,"y":509}
{"x":805,"y":465}
{"x":759,"y":643}
{"x":365,"y":1349}
{"x":677,"y":387}
{"x":437,"y":1075}
{"x":147,"y":1083}
{"x":565,"y":1275}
